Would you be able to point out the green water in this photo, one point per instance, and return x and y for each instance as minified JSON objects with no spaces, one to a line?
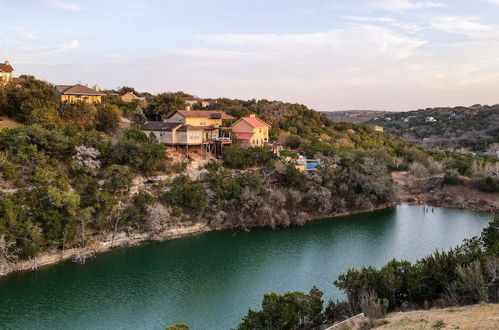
{"x":209,"y":281}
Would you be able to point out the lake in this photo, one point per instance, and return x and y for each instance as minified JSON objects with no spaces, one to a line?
{"x":210,"y":280}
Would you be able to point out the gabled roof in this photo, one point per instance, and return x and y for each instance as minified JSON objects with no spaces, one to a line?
{"x":200,"y":114}
{"x":253,"y":121}
{"x":131,"y":94}
{"x":6,"y":67}
{"x":159,"y":126}
{"x":77,"y":90}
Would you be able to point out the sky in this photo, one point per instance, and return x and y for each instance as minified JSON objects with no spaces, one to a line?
{"x":326,"y":54}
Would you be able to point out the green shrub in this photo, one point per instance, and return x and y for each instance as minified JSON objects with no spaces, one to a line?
{"x":187,"y":194}
{"x":179,"y":167}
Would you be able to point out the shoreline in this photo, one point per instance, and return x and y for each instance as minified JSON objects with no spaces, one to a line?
{"x":104,"y":245}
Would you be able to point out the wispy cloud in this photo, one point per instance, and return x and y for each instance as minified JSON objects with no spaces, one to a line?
{"x":63,"y":5}
{"x":354,"y":40}
{"x":402,"y":5}
{"x":494,"y":2}
{"x":50,"y":49}
{"x":24,"y":33}
{"x":389,"y":21}
{"x":465,"y":25}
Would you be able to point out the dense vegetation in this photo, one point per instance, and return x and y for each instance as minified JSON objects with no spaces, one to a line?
{"x":69,"y":174}
{"x":474,"y":128}
{"x":355,"y":116}
{"x":467,"y":274}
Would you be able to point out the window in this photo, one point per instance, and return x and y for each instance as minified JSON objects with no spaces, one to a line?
{"x":194,"y":135}
{"x":202,"y":122}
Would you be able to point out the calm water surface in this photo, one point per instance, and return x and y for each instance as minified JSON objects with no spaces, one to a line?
{"x":209,"y":281}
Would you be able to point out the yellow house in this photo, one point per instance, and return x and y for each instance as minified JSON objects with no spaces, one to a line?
{"x":188,"y":128}
{"x":379,"y":128}
{"x":6,"y":73}
{"x":76,"y":93}
{"x":251,"y":131}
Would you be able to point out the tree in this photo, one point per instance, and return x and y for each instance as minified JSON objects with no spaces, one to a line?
{"x":126,"y":89}
{"x":292,"y":310}
{"x":134,"y":133}
{"x":107,"y":118}
{"x":80,"y":115}
{"x":490,"y":236}
{"x":315,"y":307}
{"x":162,"y":104}
{"x":20,"y":102}
{"x":119,"y":179}
{"x":471,"y":282}
{"x":8,"y":254}
{"x":47,"y":116}
{"x":187,"y":194}
{"x":138,"y":117}
{"x":237,"y":157}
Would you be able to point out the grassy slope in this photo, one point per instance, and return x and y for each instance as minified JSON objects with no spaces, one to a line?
{"x":484,"y":316}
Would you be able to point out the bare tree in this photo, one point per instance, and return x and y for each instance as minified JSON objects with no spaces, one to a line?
{"x":83,"y":256}
{"x":418,"y":170}
{"x":492,"y":273}
{"x":157,"y":216}
{"x":471,"y":281}
{"x":86,"y":158}
{"x":8,"y":254}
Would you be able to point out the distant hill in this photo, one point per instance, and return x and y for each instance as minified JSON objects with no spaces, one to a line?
{"x":475,"y":128}
{"x":355,"y":116}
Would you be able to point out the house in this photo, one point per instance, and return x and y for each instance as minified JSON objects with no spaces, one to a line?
{"x":189,"y":128}
{"x":76,"y":93}
{"x":191,"y":101}
{"x":379,"y":128}
{"x":251,"y":131}
{"x":130,"y":96}
{"x":6,"y":76}
{"x":6,"y":73}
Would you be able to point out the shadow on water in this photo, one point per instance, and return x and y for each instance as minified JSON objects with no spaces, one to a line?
{"x":209,"y":281}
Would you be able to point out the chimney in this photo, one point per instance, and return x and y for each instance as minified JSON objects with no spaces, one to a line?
{"x":7,"y":62}
{"x":97,"y":88}
{"x":252,"y":115}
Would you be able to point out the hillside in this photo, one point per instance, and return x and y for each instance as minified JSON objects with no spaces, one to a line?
{"x":474,"y":128}
{"x":354,"y":116}
{"x":483,"y":316}
{"x":73,"y":174}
